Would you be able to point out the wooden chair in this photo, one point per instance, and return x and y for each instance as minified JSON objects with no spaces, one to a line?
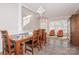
{"x":42,"y":37}
{"x":8,"y":44}
{"x":3,"y":41}
{"x":32,"y":43}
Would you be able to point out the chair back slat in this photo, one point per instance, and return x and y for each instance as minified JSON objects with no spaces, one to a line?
{"x":6,"y":38}
{"x":35,"y":35}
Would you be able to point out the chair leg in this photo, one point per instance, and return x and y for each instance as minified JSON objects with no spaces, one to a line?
{"x":25,"y":48}
{"x":41,"y":45}
{"x":38,"y":48}
{"x":32,"y":51}
{"x":44,"y":41}
{"x":9,"y":52}
{"x":21,"y":49}
{"x":6,"y":53}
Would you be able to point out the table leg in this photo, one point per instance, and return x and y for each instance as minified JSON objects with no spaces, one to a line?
{"x":17,"y":48}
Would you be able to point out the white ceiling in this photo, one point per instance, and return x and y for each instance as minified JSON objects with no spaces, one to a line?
{"x":55,"y":9}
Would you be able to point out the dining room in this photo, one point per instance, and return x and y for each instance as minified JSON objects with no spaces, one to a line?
{"x":38,"y":29}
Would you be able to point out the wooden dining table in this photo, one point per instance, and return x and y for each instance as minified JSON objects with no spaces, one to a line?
{"x":19,"y":41}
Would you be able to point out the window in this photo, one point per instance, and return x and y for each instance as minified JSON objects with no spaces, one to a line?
{"x":56,"y":24}
{"x":26,"y":20}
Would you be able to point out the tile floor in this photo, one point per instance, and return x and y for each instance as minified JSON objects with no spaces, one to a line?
{"x":56,"y":46}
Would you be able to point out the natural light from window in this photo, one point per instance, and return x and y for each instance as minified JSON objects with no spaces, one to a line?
{"x":26,"y":20}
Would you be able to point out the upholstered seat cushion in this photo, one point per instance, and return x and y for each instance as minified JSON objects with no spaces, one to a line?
{"x":28,"y":42}
{"x":12,"y":45}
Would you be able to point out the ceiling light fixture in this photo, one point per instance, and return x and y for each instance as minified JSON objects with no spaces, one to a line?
{"x":41,"y":10}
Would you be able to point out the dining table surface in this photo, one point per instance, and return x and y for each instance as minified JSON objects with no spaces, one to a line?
{"x":19,"y":39}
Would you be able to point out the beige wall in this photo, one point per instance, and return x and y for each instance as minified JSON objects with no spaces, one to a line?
{"x":9,"y":17}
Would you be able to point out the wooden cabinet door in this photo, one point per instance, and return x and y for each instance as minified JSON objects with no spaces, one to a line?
{"x":77,"y":31}
{"x":74,"y":26}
